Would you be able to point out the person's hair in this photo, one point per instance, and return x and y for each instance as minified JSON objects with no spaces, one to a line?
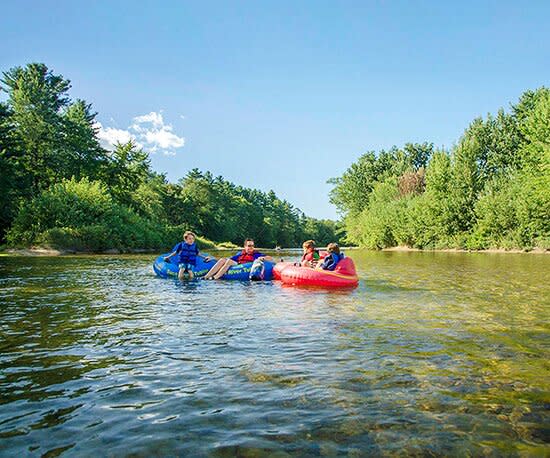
{"x":333,"y":248}
{"x":188,"y":233}
{"x":247,"y":240}
{"x":308,"y":244}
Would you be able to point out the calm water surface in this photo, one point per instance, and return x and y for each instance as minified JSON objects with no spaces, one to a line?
{"x":433,"y":354}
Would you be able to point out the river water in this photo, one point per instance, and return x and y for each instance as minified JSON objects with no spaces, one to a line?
{"x":433,"y":354}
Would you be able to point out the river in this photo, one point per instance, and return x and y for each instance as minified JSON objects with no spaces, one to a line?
{"x":433,"y":354}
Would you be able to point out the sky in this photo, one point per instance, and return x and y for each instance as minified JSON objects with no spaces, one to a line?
{"x":283,"y":95}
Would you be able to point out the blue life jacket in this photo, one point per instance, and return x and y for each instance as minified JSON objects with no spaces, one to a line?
{"x":331,"y":260}
{"x":187,"y":253}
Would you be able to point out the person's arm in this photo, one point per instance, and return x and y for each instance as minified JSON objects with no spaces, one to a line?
{"x":206,"y":258}
{"x":332,"y":261}
{"x":325,"y":264}
{"x":264,"y":257}
{"x":167,"y":258}
{"x":175,"y":251}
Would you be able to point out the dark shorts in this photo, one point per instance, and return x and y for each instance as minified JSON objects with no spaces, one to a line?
{"x":186,"y":266}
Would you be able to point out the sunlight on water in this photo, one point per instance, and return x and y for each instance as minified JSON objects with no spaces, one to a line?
{"x":433,"y":354}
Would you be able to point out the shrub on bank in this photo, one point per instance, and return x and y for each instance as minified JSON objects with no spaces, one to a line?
{"x":514,"y":211}
{"x":82,"y":215}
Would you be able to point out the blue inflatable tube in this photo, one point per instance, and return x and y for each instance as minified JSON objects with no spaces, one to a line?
{"x":239,"y":272}
{"x":242,"y":272}
{"x":170,"y":269}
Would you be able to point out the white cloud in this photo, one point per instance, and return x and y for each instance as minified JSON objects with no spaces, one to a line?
{"x":154,"y":118}
{"x":137,"y":128}
{"x":163,"y":139}
{"x":110,"y":136}
{"x":148,"y":131}
{"x":155,"y":134}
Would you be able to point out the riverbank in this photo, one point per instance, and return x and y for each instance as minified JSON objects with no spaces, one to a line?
{"x":42,"y":251}
{"x":459,"y":250}
{"x":46,"y":251}
{"x":53,"y":252}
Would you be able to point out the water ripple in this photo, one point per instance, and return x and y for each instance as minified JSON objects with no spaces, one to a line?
{"x":433,"y":354}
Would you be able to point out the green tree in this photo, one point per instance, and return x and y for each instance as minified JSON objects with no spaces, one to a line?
{"x":465,"y":185}
{"x":351,"y":191}
{"x":10,"y":181}
{"x":126,"y":169}
{"x":36,"y":98}
{"x":514,"y":209}
{"x":82,"y":153}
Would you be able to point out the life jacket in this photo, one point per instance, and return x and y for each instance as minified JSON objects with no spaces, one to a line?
{"x":314,"y":256}
{"x":331,"y":260}
{"x":245,"y":257}
{"x":188,"y":253}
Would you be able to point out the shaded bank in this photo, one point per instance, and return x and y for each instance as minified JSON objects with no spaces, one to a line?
{"x":277,"y":253}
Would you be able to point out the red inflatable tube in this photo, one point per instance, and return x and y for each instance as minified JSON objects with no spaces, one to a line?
{"x":343,"y":276}
{"x":278,"y":268}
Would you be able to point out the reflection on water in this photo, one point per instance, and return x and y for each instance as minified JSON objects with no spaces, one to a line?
{"x":433,"y":354}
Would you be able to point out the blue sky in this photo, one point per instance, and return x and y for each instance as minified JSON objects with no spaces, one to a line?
{"x":283,"y":95}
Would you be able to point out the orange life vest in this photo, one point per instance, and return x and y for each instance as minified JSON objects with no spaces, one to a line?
{"x":245,"y":257}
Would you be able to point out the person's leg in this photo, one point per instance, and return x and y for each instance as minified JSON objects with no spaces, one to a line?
{"x":181,"y":272}
{"x":215,"y":269}
{"x":189,"y":270}
{"x":224,"y":268}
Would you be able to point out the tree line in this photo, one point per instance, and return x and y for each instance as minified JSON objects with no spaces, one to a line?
{"x":61,"y":188}
{"x":490,"y":190}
